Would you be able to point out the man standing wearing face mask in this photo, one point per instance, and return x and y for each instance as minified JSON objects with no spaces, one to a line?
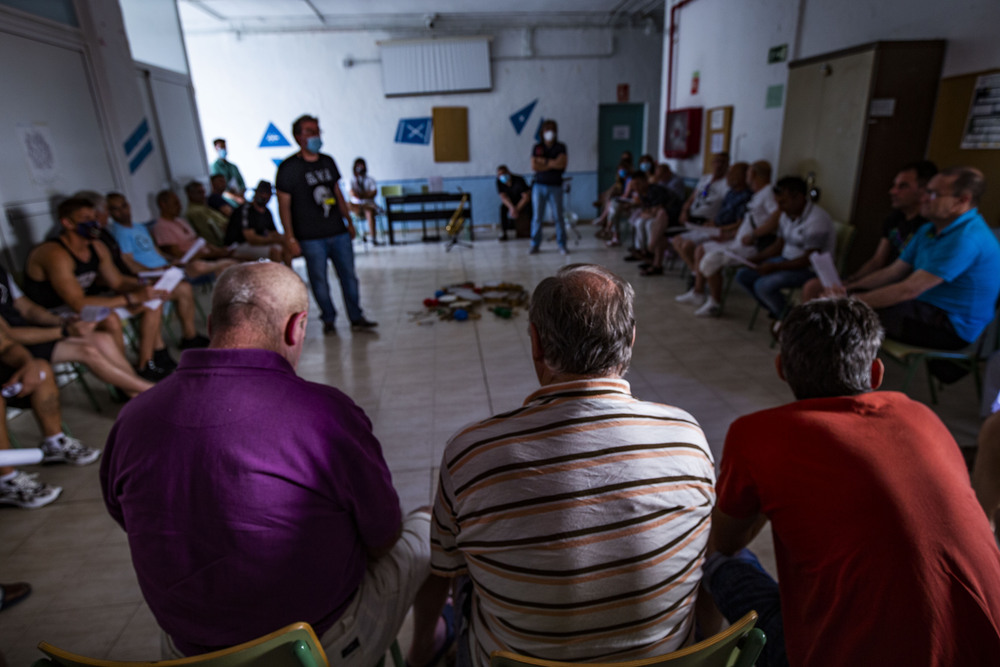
{"x":223,"y":167}
{"x":314,"y":214}
{"x":548,"y":161}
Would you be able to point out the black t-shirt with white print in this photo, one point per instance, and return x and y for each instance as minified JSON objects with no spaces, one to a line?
{"x":315,"y":214}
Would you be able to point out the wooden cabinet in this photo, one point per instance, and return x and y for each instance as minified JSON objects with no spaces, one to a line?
{"x":852,"y":119}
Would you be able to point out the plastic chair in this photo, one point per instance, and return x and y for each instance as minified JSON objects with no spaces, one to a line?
{"x":736,"y":646}
{"x":911,"y":357}
{"x":295,"y":645}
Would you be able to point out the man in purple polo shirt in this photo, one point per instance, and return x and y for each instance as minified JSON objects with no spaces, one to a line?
{"x":253,"y":499}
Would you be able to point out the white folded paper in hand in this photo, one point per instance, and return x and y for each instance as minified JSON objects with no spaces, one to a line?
{"x":822,"y":263}
{"x":729,"y":254}
{"x":170,"y":279}
{"x":192,"y":251}
{"x":149,"y":275}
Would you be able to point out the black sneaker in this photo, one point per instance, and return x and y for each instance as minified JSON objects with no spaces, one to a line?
{"x":195,"y":341}
{"x":329,"y":329}
{"x":150,"y":371}
{"x":163,"y":359}
{"x":363,"y":325}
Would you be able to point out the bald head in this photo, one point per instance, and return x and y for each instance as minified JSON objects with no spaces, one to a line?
{"x":584,"y":320}
{"x":259,"y":305}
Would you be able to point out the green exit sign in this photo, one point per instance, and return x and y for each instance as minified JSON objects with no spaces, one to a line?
{"x":777,"y":54}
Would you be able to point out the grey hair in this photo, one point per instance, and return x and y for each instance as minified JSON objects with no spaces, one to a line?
{"x":585,"y":321}
{"x":828,"y":347}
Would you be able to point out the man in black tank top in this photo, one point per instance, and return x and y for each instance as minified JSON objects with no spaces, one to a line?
{"x":63,"y":273}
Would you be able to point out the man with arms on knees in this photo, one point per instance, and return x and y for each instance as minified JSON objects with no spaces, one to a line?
{"x":548,"y":161}
{"x":712,"y":256}
{"x":63,"y":273}
{"x":176,"y":236}
{"x":61,"y":340}
{"x":706,"y":198}
{"x":884,"y":557}
{"x":803,"y":228}
{"x":583,"y":489}
{"x":208,"y":223}
{"x":39,"y":392}
{"x":251,"y":228}
{"x":315,"y":218}
{"x":139,"y":253}
{"x":906,"y":196}
{"x":515,"y":200}
{"x":942,"y":291}
{"x":277,"y":507}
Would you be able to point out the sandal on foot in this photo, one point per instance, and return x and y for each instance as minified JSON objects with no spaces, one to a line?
{"x":652,"y":271}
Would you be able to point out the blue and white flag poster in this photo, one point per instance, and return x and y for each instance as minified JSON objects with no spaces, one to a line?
{"x":413,"y":131}
{"x":273,"y":138}
{"x":520,"y":117}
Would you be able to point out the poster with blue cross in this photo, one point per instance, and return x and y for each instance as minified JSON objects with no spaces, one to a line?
{"x":413,"y":131}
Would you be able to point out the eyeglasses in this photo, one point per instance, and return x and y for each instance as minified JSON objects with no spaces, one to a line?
{"x":934,"y":194}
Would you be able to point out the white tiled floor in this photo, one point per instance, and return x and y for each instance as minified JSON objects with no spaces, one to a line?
{"x":418,"y":383}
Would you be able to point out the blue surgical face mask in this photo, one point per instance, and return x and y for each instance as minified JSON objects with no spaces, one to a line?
{"x":646,"y":167}
{"x":223,"y":153}
{"x":87,"y":229}
{"x":622,"y":173}
{"x":314,"y":144}
{"x":505,"y":178}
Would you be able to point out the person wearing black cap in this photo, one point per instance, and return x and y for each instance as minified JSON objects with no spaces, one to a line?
{"x":251,"y":227}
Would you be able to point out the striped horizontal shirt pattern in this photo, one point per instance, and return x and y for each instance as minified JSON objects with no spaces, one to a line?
{"x":582,"y":519}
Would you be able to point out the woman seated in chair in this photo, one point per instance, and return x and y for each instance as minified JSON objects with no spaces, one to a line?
{"x":362,"y":197}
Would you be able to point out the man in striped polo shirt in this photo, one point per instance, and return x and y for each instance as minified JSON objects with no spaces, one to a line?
{"x":576,"y":524}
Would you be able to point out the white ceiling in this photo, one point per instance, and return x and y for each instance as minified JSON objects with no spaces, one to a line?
{"x":256,"y":16}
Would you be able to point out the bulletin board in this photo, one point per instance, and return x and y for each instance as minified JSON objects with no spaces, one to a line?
{"x":451,"y":134}
{"x":718,"y":130}
{"x":951,"y":114}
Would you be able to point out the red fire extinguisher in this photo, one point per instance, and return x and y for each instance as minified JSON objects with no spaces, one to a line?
{"x":694,"y":83}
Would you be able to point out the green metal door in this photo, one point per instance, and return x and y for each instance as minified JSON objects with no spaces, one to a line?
{"x":621,"y":127}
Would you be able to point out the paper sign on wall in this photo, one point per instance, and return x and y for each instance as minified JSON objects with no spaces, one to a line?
{"x":36,"y":140}
{"x":413,"y":131}
{"x":621,"y":132}
{"x":520,"y":117}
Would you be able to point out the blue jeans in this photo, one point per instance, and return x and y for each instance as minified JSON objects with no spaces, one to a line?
{"x":767,"y":289}
{"x":541,"y":195}
{"x":337,"y":249}
{"x":739,"y":585}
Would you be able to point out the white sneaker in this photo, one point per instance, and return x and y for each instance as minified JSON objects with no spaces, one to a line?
{"x":710,"y":308}
{"x":69,"y":450}
{"x":691,"y":297}
{"x":27,"y":492}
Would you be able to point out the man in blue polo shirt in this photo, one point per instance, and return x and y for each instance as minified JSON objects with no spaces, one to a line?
{"x":942,"y":291}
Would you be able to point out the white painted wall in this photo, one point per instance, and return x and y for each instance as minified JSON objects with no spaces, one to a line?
{"x":970,"y":27}
{"x":281,"y":76}
{"x":727,"y":43}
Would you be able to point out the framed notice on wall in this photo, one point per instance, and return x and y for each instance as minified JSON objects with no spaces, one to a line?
{"x":982,"y":128}
{"x":717,"y":134}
